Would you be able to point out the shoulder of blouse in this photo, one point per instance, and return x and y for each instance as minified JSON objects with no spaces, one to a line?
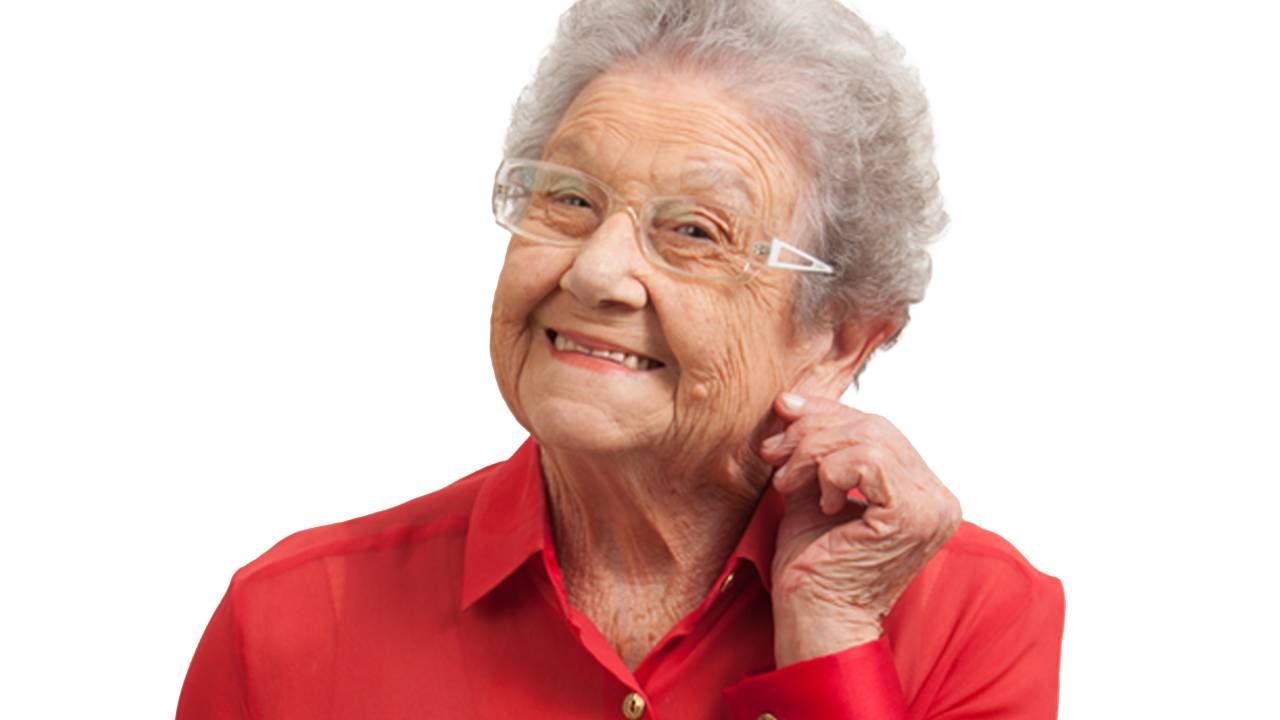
{"x":443,"y":511}
{"x":983,"y":562}
{"x":977,"y":577}
{"x":975,"y":544}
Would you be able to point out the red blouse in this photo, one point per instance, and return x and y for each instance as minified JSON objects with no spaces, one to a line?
{"x":452,"y":606}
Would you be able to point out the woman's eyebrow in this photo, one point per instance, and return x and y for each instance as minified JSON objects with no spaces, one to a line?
{"x":723,"y":182}
{"x":717,"y":180}
{"x":569,"y":151}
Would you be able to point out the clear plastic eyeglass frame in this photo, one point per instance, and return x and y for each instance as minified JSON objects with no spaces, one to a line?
{"x":521,"y":183}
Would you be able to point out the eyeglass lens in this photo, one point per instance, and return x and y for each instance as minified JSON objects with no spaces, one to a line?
{"x":560,"y":206}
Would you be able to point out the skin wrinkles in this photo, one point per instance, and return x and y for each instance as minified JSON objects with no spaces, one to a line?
{"x":650,"y":476}
{"x":703,"y":177}
{"x":746,"y":149}
{"x":603,"y":139}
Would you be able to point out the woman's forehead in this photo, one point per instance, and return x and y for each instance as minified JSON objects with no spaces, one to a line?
{"x":674,"y":138}
{"x":669,"y":170}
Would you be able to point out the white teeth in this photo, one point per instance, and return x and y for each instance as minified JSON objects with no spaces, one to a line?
{"x":635,"y":362}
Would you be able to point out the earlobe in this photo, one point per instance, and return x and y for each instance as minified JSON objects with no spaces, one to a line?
{"x":856,"y":342}
{"x":851,"y":345}
{"x":820,"y":374}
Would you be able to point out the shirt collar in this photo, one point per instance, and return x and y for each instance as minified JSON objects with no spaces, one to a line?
{"x":509,"y":523}
{"x":759,"y":540}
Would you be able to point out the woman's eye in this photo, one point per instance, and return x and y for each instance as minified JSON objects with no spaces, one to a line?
{"x":694,"y":231}
{"x":574,"y":201}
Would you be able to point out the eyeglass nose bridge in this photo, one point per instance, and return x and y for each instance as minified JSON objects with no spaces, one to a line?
{"x":758,"y":255}
{"x":631,"y":213}
{"x":617,"y":205}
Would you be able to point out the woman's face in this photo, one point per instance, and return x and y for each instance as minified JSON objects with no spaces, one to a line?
{"x":725,"y":348}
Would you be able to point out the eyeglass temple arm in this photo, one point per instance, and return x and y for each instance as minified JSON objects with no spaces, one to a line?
{"x":812,"y":264}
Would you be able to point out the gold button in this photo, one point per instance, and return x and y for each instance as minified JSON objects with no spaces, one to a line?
{"x":766,"y":716}
{"x":633,"y":706}
{"x":724,"y":586}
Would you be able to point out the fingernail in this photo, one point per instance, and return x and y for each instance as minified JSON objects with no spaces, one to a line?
{"x":772,"y":443}
{"x":792,"y":401}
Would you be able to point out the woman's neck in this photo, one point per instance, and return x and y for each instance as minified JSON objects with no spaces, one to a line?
{"x":640,"y":544}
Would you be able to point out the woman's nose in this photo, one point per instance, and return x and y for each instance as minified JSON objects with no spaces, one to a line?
{"x":607,"y":269}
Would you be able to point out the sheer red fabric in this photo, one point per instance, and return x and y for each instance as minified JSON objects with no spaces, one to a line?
{"x":452,"y":606}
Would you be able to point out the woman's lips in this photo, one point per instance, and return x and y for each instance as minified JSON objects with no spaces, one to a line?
{"x":576,"y":348}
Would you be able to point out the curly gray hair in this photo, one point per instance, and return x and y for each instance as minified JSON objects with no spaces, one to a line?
{"x":813,"y":69}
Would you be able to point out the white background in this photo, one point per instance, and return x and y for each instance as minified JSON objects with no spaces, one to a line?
{"x":246,"y":262}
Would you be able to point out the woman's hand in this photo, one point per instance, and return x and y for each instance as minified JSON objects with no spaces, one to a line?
{"x":841,"y":564}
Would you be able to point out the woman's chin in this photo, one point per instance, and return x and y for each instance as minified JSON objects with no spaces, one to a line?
{"x":590,"y":429}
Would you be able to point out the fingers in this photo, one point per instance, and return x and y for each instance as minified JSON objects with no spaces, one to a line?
{"x":793,"y":406}
{"x":804,"y":415}
{"x":857,"y":468}
{"x":839,"y":447}
{"x":810,"y":435}
{"x":803,"y":447}
{"x":833,"y":499}
{"x":861,"y":468}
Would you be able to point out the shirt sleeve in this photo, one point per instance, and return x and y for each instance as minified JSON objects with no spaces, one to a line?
{"x":1008,"y":665}
{"x":855,"y":684}
{"x":214,"y":687}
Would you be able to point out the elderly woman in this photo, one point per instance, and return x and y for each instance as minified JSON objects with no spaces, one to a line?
{"x":717,"y":212}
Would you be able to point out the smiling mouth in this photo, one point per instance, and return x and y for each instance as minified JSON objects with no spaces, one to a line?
{"x":630,"y":360}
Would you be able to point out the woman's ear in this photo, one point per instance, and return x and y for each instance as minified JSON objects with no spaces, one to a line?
{"x":844,"y":350}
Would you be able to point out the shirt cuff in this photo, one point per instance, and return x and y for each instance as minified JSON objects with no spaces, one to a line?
{"x":855,"y":684}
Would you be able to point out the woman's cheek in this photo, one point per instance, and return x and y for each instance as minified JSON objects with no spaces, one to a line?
{"x":719,"y":387}
{"x":509,"y":331}
{"x":530,"y":273}
{"x":503,"y":356}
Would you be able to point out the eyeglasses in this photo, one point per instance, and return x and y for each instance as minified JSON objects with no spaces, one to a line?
{"x":558,"y":205}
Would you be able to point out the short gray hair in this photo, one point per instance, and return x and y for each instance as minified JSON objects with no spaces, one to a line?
{"x":812,"y":68}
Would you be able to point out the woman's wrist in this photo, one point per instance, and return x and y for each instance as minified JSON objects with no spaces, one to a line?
{"x":803,"y":631}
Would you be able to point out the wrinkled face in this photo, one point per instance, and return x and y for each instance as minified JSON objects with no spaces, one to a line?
{"x":709,"y":357}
